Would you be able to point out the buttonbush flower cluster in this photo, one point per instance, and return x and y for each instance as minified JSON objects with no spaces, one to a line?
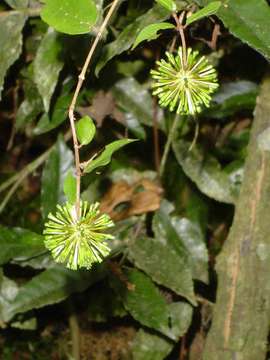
{"x":78,"y":242}
{"x":184,"y":82}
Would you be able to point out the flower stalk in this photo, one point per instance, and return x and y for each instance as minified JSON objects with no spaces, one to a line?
{"x":81,"y":79}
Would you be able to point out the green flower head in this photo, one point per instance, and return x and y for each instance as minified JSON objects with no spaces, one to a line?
{"x":184,"y":84}
{"x":77,"y":242}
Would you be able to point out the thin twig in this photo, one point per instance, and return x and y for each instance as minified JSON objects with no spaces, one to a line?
{"x":172,"y":46}
{"x":74,"y":331}
{"x":31,"y":12}
{"x":168,"y":144}
{"x":196,"y":135}
{"x":156,"y":135}
{"x":16,"y":180}
{"x":180,"y":28}
{"x":182,"y":354}
{"x":81,"y":79}
{"x":214,"y":38}
{"x":27,"y":170}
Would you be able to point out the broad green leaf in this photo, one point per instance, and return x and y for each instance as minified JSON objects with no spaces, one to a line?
{"x":180,"y":318}
{"x":47,"y":66}
{"x":167,"y":4}
{"x":150,"y":346}
{"x":232,"y":97}
{"x":85,"y":129}
{"x":70,"y":188}
{"x":50,"y":287}
{"x":70,"y":16}
{"x":131,"y":96}
{"x":40,"y":261}
{"x":143,"y":300}
{"x":129,"y":68}
{"x":19,"y":243}
{"x":8,"y":292}
{"x":205,"y":171}
{"x":208,"y":10}
{"x":56,"y":168}
{"x":140,"y":297}
{"x":133,"y":124}
{"x":59,"y":113}
{"x":197,"y":209}
{"x":249,"y":21}
{"x":27,"y":324}
{"x":191,"y":235}
{"x":150,"y":32}
{"x":32,"y":104}
{"x":105,"y":157}
{"x":127,"y":37}
{"x":18,"y":4}
{"x":163,"y":229}
{"x":161,"y":262}
{"x":11,"y":25}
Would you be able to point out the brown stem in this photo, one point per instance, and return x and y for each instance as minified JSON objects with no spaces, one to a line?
{"x":74,"y":330}
{"x":155,"y":135}
{"x":180,"y":28}
{"x":182,"y":353}
{"x":81,"y":79}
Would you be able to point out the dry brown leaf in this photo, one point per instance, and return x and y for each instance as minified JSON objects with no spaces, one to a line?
{"x":124,"y":200}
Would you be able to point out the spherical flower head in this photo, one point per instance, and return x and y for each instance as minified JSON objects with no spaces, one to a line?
{"x":78,"y":242}
{"x":184,"y":83}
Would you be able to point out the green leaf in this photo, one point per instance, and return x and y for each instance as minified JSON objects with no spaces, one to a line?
{"x":249,"y":21}
{"x":208,"y":10}
{"x":56,"y":168}
{"x":205,"y":171}
{"x":11,"y":25}
{"x":70,"y":188}
{"x":27,"y":324}
{"x":19,"y":243}
{"x":50,"y":287}
{"x":168,"y":4}
{"x":191,"y":235}
{"x":105,"y":157}
{"x":144,"y":298}
{"x":70,"y":16}
{"x":150,"y":32}
{"x":127,"y":37}
{"x":8,"y":292}
{"x":59,"y":113}
{"x":150,"y":346}
{"x":180,"y":318}
{"x":85,"y":129}
{"x":40,"y":261}
{"x":47,"y":66}
{"x":32,"y":104}
{"x":140,"y":297}
{"x":161,"y":262}
{"x":232,"y":97}
{"x":131,"y":96}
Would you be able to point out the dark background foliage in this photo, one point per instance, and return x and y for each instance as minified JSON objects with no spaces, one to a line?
{"x":153,"y":298}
